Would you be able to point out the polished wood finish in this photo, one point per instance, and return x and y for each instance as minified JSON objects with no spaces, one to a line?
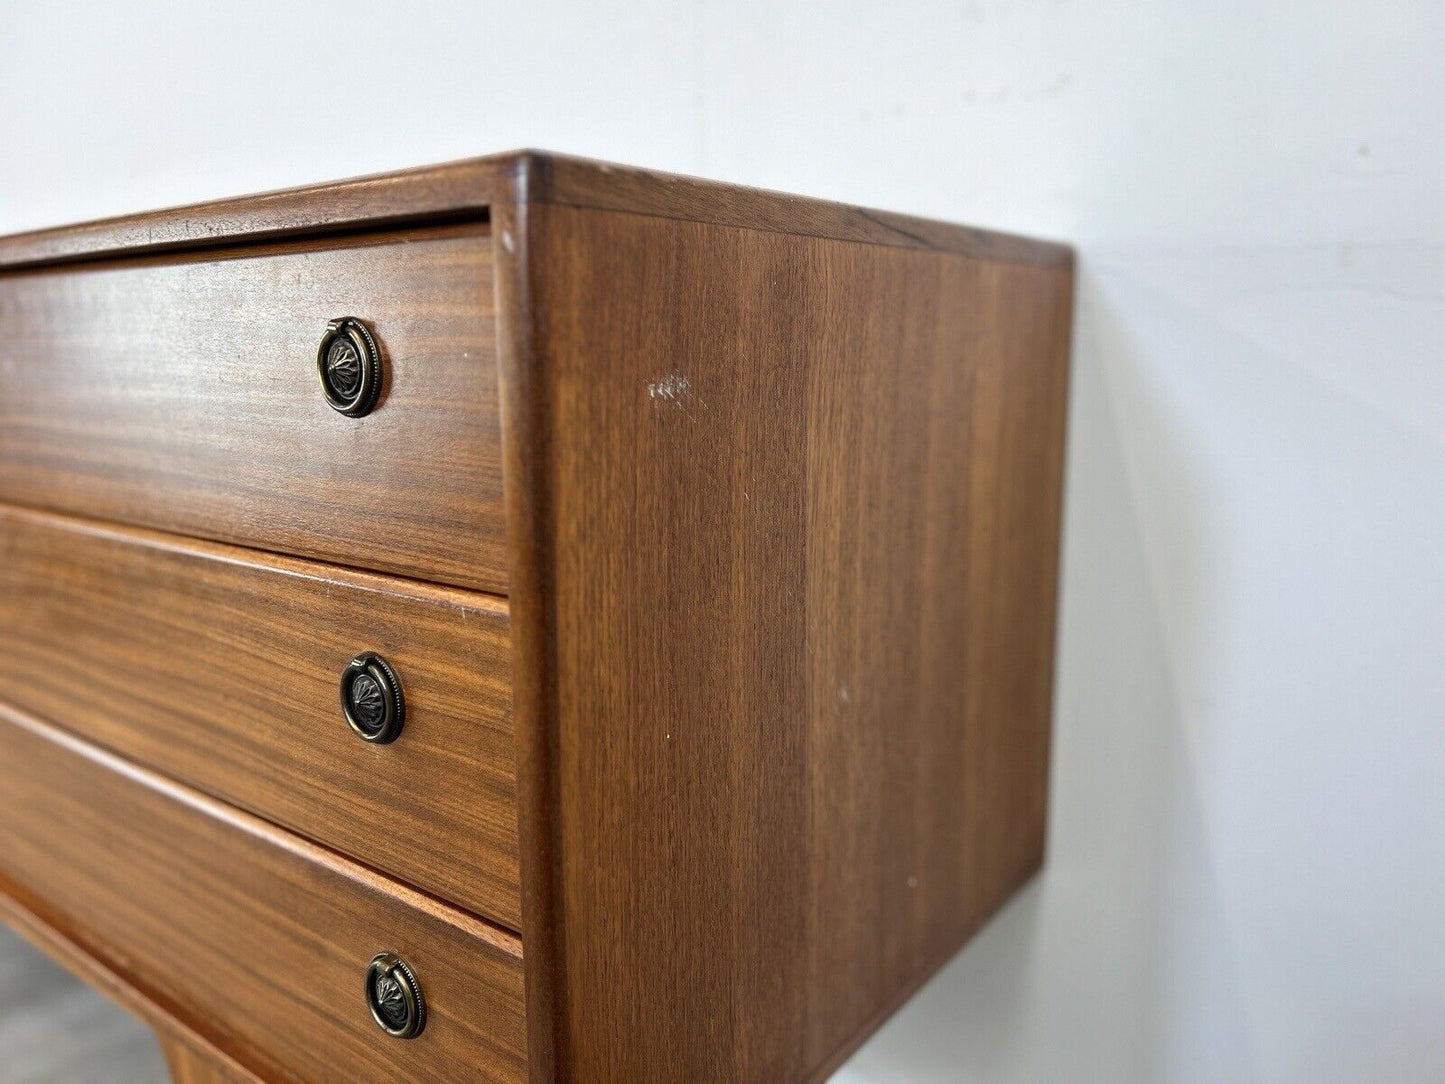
{"x":783,"y":564}
{"x":220,"y":667}
{"x":575,"y":182}
{"x":257,"y":939}
{"x":782,"y":485}
{"x":457,"y":191}
{"x":182,"y":394}
{"x":190,"y":1066}
{"x":475,"y":186}
{"x":173,"y":1034}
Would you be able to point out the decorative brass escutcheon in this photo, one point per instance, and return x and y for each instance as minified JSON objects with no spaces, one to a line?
{"x":349,"y":364}
{"x":394,"y":996}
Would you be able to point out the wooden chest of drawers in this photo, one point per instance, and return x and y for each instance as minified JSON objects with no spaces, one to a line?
{"x":523,"y":619}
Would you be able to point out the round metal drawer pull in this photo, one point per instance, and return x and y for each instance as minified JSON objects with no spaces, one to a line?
{"x":371,"y":698}
{"x":349,"y":365}
{"x":394,"y":996}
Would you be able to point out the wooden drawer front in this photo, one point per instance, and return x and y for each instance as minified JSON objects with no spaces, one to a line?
{"x":182,"y":394}
{"x":221,"y":667}
{"x":255,"y":939}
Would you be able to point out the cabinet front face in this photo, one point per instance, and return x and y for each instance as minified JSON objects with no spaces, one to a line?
{"x":255,"y":644}
{"x":225,"y":668}
{"x":732,"y":704}
{"x":259,"y":941}
{"x":183,"y":393}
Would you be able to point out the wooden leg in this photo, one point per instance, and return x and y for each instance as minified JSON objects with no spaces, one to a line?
{"x":189,"y":1065}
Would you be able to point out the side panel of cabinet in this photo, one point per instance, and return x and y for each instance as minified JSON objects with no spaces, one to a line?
{"x":784,"y":520}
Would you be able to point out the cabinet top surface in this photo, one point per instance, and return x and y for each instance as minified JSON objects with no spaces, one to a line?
{"x":469,"y":188}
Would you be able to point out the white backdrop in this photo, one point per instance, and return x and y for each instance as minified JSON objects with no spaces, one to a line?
{"x":1247,"y":863}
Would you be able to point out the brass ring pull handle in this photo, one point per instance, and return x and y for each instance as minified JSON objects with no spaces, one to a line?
{"x":349,"y":365}
{"x":394,"y":996}
{"x":371,"y":698}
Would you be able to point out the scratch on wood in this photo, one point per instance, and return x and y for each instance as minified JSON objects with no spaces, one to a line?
{"x":673,"y":390}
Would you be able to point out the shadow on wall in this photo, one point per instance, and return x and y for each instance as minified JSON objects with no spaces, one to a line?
{"x":1086,"y":976}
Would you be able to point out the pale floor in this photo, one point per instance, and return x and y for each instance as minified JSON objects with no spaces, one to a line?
{"x":56,"y":1030}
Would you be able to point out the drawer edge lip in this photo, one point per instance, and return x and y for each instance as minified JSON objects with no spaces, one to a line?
{"x":396,"y":884}
{"x":435,"y":195}
{"x":196,"y":547}
{"x":497,"y":938}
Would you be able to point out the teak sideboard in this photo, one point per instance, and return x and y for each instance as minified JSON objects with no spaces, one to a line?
{"x":524,"y":619}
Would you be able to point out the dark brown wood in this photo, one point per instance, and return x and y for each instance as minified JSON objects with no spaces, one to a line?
{"x":437,"y":193}
{"x":783,"y":569}
{"x":256,"y":939}
{"x":476,"y":185}
{"x":182,"y":394}
{"x":523,"y":423}
{"x":187,"y":1065}
{"x":220,"y":667}
{"x":782,"y":491}
{"x":578,"y":182}
{"x":176,"y":1038}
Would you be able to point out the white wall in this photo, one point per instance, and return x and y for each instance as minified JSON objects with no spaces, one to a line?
{"x":1246,"y":879}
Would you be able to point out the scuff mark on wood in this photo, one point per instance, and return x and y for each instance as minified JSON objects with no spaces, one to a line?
{"x":672,"y":391}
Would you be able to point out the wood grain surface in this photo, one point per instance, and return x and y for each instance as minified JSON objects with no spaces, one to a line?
{"x":187,"y":1065}
{"x":171,"y":1032}
{"x":182,"y":394}
{"x":530,"y":561}
{"x":580,"y":182}
{"x":783,"y":568}
{"x":431,"y":195}
{"x":220,"y":667}
{"x":258,"y":940}
{"x":782,"y":488}
{"x":476,"y":186}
